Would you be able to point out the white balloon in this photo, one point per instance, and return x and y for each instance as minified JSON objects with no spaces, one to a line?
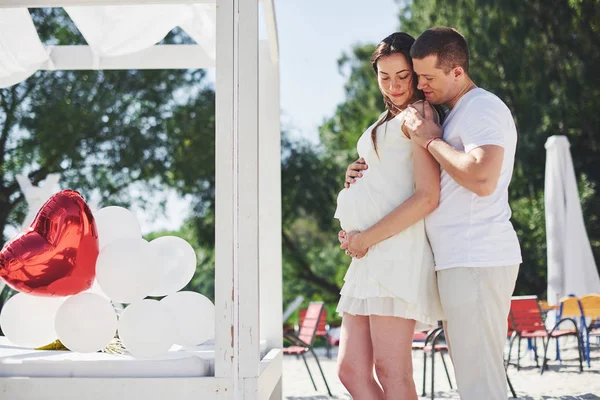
{"x":28,"y":320}
{"x":147,"y":329}
{"x":194,"y":317}
{"x":86,"y":323}
{"x":96,"y":289}
{"x":115,"y":223}
{"x":127,"y":270}
{"x":178,"y":259}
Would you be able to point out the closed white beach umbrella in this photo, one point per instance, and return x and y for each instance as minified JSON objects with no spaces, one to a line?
{"x":571,"y":265}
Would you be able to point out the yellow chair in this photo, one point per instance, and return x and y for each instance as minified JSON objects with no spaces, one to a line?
{"x":590,"y":305}
{"x":545,"y":307}
{"x":570,"y":307}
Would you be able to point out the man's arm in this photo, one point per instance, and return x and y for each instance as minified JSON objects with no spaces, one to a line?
{"x":478,"y":170}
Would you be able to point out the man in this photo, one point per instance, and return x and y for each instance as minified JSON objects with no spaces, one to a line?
{"x":476,"y":250}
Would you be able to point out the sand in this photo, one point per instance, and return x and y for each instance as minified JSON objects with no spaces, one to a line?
{"x":563,"y":382}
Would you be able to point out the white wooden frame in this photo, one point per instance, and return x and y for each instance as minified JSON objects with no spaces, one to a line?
{"x":173,"y":56}
{"x":71,"y":3}
{"x":248,"y":209}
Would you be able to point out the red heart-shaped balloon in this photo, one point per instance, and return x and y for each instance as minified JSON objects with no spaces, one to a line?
{"x":56,"y":255}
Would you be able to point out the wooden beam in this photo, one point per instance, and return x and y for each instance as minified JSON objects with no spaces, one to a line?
{"x":237,"y":197}
{"x":52,"y":388}
{"x":270,"y":375}
{"x":225,"y":206}
{"x":182,"y":56}
{"x":271,"y":21}
{"x":246,"y":176}
{"x":269,"y":142}
{"x":73,"y":3}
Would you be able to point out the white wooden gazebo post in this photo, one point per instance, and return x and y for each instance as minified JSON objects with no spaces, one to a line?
{"x":270,"y":258}
{"x":224,"y":195}
{"x":248,"y":216}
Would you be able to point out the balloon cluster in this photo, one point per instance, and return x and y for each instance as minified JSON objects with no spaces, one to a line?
{"x":72,"y":267}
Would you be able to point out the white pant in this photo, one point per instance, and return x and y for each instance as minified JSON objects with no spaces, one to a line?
{"x":476,"y":302}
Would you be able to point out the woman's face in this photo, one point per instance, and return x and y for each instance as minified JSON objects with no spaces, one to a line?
{"x":394,"y":76}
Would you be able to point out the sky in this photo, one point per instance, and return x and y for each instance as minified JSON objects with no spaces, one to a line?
{"x":313,"y":34}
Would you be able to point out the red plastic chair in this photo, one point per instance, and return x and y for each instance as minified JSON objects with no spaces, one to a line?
{"x":322,"y":330}
{"x":527,"y":322}
{"x":302,"y":343}
{"x":510,"y":328}
{"x":419,"y":339}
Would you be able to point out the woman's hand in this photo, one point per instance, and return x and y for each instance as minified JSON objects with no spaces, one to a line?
{"x":355,"y":245}
{"x":343,"y":241}
{"x":353,"y":171}
{"x":351,"y":244}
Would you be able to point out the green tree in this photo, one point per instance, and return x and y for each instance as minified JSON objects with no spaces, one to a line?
{"x":310,"y":183}
{"x":362,"y":106}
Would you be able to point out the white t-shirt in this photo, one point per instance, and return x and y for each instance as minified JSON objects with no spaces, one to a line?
{"x":467,"y":230}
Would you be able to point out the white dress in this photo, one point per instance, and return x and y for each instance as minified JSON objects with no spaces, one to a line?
{"x":397,"y":276}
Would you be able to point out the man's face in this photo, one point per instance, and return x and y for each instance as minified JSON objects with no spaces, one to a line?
{"x":439,"y":87}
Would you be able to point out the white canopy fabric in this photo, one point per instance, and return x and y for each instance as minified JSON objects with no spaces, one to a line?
{"x":109,"y":31}
{"x":21,"y":52}
{"x":571,"y":265}
{"x":118,"y":30}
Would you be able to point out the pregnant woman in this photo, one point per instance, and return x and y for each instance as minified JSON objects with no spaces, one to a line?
{"x":390,"y":287}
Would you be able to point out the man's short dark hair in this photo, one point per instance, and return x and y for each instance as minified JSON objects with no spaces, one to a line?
{"x":447,"y":44}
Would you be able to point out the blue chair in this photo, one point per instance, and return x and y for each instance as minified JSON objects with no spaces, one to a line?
{"x":590,"y":308}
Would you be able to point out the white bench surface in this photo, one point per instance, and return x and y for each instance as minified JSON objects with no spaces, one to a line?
{"x":18,"y":361}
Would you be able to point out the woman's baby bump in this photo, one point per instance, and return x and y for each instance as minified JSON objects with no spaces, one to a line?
{"x":366,"y":202}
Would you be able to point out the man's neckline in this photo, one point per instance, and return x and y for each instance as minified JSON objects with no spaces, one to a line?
{"x":468,"y":93}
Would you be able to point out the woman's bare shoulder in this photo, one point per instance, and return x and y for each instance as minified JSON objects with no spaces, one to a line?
{"x":420,"y":107}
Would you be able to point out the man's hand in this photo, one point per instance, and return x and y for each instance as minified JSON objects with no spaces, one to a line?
{"x":422,"y":128}
{"x":354,"y":171}
{"x":356,"y":247}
